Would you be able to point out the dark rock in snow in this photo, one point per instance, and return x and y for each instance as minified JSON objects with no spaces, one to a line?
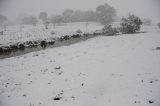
{"x":28,"y":74}
{"x":57,"y":68}
{"x":57,"y":98}
{"x":151,"y":82}
{"x":82,"y":84}
{"x":157,"y":48}
{"x":150,"y":101}
{"x":24,"y":95}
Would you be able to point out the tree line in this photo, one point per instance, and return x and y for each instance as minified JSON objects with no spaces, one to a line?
{"x":103,"y":14}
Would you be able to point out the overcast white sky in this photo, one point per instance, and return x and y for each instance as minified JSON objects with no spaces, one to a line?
{"x":142,"y":8}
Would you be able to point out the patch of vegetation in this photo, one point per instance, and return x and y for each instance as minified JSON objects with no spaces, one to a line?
{"x":131,"y":24}
{"x":109,"y":30}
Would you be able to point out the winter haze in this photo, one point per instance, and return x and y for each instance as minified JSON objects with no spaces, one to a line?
{"x":79,"y":53}
{"x":142,"y":8}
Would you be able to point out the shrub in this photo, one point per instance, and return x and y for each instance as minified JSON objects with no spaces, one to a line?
{"x":6,"y":50}
{"x":76,"y":35}
{"x":14,"y":47}
{"x":35,"y":43}
{"x":66,"y":37}
{"x":21,"y":46}
{"x":43,"y":44}
{"x":98,"y":32}
{"x":52,"y":32}
{"x":131,"y":24}
{"x":1,"y":50}
{"x":109,"y":30}
{"x":86,"y":34}
{"x":61,"y":39}
{"x":51,"y":42}
{"x":79,"y":31}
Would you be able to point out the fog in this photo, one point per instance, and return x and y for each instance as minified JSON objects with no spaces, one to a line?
{"x":142,"y":8}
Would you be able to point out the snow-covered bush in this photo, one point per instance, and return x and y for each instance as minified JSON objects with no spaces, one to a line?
{"x":76,"y":35}
{"x":52,"y":32}
{"x":109,"y":30}
{"x":158,"y":24}
{"x":86,"y":34}
{"x":51,"y":42}
{"x":43,"y":44}
{"x":6,"y":50}
{"x":131,"y":24}
{"x":21,"y":46}
{"x":14,"y":47}
{"x":98,"y":32}
{"x":79,"y":31}
{"x":66,"y":37}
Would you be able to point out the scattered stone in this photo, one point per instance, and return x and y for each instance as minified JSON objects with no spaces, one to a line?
{"x":73,"y":97}
{"x":24,"y":95}
{"x":17,"y":84}
{"x":45,"y":70}
{"x":151,"y":82}
{"x":156,"y":80}
{"x":31,"y":105}
{"x":57,"y":68}
{"x":29,"y":82}
{"x":82,"y":84}
{"x":36,"y":55}
{"x":157,"y":48}
{"x":150,"y":101}
{"x":60,"y":73}
{"x":28,"y":74}
{"x":57,"y":98}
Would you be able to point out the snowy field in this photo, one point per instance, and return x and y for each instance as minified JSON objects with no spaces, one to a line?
{"x":30,"y":33}
{"x":119,"y":70}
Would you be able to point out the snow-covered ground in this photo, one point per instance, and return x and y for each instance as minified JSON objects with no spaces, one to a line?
{"x":30,"y":33}
{"x":119,"y":70}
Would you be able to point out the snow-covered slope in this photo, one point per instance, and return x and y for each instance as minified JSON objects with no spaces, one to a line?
{"x":103,"y":71}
